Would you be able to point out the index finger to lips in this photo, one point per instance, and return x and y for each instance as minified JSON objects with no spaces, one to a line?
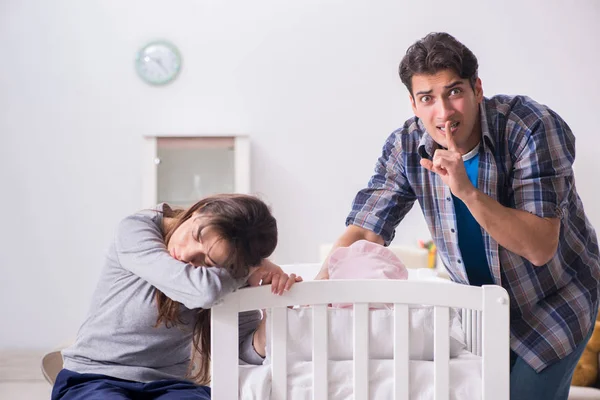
{"x":450,"y":137}
{"x":437,"y":160}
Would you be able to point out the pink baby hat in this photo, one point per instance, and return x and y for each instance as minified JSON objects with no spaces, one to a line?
{"x":365,"y":260}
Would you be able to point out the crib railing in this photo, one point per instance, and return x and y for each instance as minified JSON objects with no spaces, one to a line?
{"x":471,"y":322}
{"x":485,"y":307}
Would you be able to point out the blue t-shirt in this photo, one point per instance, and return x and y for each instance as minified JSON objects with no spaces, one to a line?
{"x":470,"y":239}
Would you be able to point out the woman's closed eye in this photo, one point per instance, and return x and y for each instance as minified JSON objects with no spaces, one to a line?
{"x":203,"y":260}
{"x":199,"y":261}
{"x":196,"y":235}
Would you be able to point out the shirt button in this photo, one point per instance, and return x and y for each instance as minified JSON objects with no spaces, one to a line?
{"x":459,"y":261}
{"x":452,"y":230}
{"x":448,"y":198}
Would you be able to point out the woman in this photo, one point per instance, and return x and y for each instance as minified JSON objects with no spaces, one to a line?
{"x":163,"y":272}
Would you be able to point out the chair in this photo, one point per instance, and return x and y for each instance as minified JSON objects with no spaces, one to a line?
{"x":52,"y":363}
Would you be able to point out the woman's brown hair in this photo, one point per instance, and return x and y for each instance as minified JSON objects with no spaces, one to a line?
{"x":246,"y":223}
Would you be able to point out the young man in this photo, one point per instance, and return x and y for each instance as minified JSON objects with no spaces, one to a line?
{"x":495,"y":181}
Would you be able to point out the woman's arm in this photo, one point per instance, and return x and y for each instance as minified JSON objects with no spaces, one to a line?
{"x":259,"y":339}
{"x":140,"y":249}
{"x":267,"y":273}
{"x":249,"y":325}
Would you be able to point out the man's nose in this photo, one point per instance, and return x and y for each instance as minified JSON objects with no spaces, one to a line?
{"x":444,"y":109}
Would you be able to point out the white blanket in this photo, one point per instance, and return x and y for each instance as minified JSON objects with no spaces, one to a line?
{"x":381,"y":329}
{"x":465,"y":380}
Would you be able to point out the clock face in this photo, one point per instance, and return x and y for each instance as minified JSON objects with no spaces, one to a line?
{"x":158,"y":63}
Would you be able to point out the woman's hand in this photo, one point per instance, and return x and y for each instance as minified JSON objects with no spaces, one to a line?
{"x":269,"y":273}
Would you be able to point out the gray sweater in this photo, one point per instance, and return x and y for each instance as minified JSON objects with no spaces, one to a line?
{"x":118,"y":337}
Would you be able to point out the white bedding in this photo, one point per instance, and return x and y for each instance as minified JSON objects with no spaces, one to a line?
{"x":465,"y":380}
{"x":341,"y":333}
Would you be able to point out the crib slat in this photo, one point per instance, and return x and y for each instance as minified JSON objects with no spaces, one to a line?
{"x":496,"y":358}
{"x":467,"y":321}
{"x":401,"y":352}
{"x":361,"y":351}
{"x":474,"y":332}
{"x":279,"y":343}
{"x":320,"y":352}
{"x":441,"y":352}
{"x":224,"y":367}
{"x":479,"y":330}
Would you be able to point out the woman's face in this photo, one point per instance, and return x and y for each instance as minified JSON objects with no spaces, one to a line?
{"x":200,"y":248}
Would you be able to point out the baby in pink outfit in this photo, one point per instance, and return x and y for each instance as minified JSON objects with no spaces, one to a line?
{"x":365,"y":260}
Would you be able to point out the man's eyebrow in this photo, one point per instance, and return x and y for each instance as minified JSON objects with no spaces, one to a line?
{"x":424,"y":92}
{"x":453,"y":84}
{"x":450,"y":86}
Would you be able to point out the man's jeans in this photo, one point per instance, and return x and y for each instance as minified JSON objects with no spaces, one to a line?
{"x":552,"y":383}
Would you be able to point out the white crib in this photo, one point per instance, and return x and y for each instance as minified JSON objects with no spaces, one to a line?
{"x":485,"y":321}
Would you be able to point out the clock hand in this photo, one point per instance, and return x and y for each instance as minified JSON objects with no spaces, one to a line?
{"x":160,"y":64}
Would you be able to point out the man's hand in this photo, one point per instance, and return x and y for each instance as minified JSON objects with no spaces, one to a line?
{"x":323,"y":273}
{"x":269,"y":273}
{"x":352,"y":234}
{"x":449,"y":165}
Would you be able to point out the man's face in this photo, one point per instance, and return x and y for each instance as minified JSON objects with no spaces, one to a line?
{"x":446,"y":97}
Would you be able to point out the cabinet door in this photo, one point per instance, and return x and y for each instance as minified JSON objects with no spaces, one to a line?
{"x":186,"y":169}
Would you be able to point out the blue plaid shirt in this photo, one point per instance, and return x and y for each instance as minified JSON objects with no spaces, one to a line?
{"x":525,"y":163}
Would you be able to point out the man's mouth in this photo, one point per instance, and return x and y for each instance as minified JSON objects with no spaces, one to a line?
{"x":453,"y":127}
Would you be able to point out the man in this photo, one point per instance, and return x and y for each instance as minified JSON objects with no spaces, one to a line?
{"x":495,"y":182}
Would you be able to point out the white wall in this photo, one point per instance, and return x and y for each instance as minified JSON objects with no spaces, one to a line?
{"x":314,"y":83}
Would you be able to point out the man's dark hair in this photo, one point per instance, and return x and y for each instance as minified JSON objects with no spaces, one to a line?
{"x":436,"y":52}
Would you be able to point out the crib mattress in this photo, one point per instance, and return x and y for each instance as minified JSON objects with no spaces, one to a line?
{"x":465,"y":380}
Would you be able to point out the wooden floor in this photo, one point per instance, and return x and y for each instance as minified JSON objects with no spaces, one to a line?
{"x":21,"y":376}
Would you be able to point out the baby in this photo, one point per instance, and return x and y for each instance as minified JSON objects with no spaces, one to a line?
{"x":365,"y":260}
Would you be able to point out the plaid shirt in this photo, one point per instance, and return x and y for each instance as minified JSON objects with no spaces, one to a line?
{"x":525,"y":163}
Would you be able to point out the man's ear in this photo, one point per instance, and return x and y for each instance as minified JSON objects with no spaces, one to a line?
{"x":412,"y":103}
{"x":478,"y":90}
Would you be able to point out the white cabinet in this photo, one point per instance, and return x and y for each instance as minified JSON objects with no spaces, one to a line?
{"x":180,"y":170}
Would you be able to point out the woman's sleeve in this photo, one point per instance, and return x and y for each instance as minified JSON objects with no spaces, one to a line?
{"x":248,"y":323}
{"x":140,"y":249}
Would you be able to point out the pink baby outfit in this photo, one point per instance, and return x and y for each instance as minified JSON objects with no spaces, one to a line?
{"x":365,"y":260}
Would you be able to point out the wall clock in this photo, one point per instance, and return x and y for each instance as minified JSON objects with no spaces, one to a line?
{"x":158,"y":62}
